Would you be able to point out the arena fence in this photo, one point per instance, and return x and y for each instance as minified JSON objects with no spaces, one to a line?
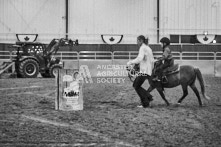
{"x":208,"y":62}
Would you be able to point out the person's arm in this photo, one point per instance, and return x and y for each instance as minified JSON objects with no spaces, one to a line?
{"x":165,"y":54}
{"x":139,"y":57}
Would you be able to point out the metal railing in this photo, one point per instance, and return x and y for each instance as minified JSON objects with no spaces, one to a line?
{"x":198,"y":56}
{"x":5,"y":55}
{"x":121,"y":55}
{"x":67,"y":55}
{"x":124,"y":55}
{"x":218,"y":56}
{"x":95,"y":55}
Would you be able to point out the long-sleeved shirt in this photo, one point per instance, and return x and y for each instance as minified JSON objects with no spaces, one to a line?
{"x":145,"y":58}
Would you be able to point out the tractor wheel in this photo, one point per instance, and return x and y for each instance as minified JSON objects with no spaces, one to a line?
{"x":53,"y":69}
{"x":29,"y":68}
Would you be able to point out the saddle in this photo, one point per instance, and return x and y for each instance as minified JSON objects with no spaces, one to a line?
{"x":172,"y":69}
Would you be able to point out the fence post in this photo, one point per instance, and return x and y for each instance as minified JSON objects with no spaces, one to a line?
{"x":112,"y":57}
{"x":78,"y":59}
{"x":215,"y":64}
{"x":10,"y":54}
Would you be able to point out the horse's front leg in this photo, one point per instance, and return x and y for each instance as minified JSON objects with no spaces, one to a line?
{"x":160,"y":90}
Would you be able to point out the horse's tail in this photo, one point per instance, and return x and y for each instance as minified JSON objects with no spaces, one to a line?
{"x":201,"y":81}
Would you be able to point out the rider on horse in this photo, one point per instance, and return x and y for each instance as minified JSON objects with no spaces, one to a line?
{"x":166,"y":60}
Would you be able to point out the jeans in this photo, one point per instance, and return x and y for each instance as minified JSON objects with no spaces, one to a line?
{"x":145,"y":96}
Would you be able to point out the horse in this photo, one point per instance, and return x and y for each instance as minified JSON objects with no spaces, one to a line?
{"x":184,"y":75}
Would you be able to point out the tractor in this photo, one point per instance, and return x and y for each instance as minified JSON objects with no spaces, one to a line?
{"x":33,"y":58}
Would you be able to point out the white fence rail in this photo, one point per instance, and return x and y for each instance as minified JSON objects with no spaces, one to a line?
{"x":121,"y":55}
{"x":208,"y":62}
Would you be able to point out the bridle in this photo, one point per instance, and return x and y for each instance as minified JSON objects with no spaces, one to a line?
{"x":133,"y":72}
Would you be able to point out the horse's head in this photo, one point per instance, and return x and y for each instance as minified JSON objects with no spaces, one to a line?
{"x":133,"y":71}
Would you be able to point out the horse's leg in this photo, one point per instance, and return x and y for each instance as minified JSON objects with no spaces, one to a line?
{"x":193,"y":86}
{"x":185,"y":93}
{"x":160,"y":90}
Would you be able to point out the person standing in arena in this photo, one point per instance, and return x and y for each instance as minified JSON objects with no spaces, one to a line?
{"x":145,"y":59}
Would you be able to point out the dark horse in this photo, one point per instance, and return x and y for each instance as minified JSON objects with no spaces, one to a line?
{"x":184,"y":75}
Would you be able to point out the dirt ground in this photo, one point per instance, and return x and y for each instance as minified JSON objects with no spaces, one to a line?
{"x":110,"y":116}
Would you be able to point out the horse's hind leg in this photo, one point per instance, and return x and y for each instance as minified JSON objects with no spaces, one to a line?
{"x":185,"y":93}
{"x":163,"y":96}
{"x":193,"y":86}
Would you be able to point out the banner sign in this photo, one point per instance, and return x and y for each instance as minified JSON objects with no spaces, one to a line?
{"x":205,"y":39}
{"x":112,"y":39}
{"x":27,"y":37}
